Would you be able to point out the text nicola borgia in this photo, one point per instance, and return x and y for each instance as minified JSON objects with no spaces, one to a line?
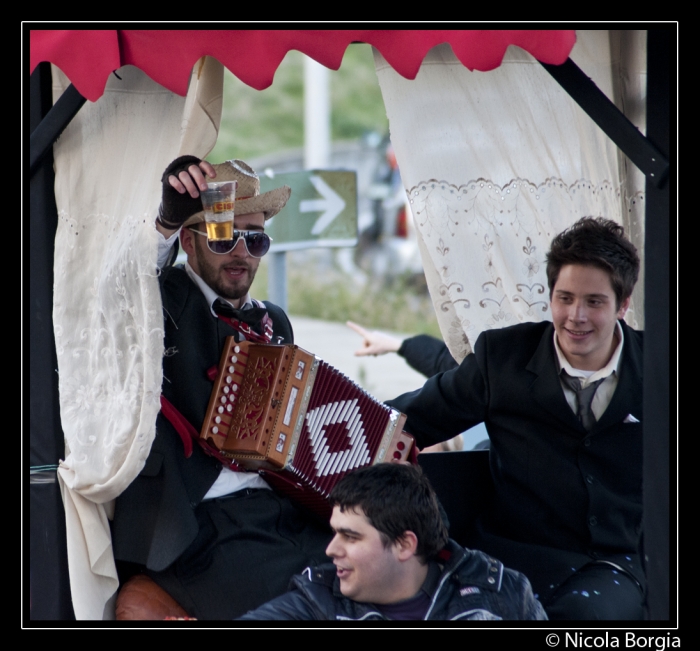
{"x":629,"y":640}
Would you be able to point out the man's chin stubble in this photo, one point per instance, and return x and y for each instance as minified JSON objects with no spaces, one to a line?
{"x":236,"y":294}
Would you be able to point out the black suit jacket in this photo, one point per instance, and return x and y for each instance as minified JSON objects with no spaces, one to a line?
{"x":427,"y":355}
{"x":563,"y":496}
{"x":154,"y":520}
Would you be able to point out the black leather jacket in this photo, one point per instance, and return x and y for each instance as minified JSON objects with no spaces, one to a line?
{"x":472,"y":586}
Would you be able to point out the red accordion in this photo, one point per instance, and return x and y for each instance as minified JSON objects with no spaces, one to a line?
{"x":300,"y":422}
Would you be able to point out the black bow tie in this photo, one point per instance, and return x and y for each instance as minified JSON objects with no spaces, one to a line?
{"x":252,"y":316}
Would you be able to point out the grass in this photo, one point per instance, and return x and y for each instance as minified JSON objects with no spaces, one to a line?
{"x":402,"y":306}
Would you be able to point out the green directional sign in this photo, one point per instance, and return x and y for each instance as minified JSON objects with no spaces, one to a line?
{"x":322,"y":211}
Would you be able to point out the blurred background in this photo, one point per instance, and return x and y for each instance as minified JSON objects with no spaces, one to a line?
{"x":380,"y":282}
{"x":314,"y":118}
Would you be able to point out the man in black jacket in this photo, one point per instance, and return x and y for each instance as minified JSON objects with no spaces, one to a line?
{"x":216,"y":538}
{"x":562,"y":404}
{"x":392,"y":560}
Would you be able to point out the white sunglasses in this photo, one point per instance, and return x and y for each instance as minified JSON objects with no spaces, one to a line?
{"x":256,"y":243}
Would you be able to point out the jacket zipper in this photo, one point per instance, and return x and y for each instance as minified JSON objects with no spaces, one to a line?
{"x":439,"y":588}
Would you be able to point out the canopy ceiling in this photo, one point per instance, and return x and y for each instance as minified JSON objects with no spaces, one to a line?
{"x":87,"y":57}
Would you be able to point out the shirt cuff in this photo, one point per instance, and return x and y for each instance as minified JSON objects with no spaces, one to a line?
{"x":164,"y":247}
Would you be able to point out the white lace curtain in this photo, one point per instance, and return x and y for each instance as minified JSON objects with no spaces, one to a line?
{"x":497,"y":163}
{"x":107,"y":313}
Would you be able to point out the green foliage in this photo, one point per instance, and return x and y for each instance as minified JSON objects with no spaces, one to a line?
{"x":335,"y":296}
{"x":357,"y":105}
{"x":255,"y":123}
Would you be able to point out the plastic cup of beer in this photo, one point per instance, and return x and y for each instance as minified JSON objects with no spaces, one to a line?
{"x":218,"y":201}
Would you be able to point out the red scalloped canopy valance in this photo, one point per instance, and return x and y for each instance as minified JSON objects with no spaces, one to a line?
{"x":87,"y":57}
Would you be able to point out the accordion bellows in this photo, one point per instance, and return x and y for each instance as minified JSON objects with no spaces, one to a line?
{"x":282,"y":405}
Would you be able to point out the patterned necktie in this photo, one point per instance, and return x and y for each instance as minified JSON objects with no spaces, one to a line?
{"x":584,"y":398}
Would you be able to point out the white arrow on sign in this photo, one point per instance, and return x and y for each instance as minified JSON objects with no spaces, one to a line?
{"x":332,"y":205}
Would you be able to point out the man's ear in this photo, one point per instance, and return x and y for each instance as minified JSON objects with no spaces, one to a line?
{"x":623,"y":307}
{"x":187,"y":242}
{"x":406,"y":546}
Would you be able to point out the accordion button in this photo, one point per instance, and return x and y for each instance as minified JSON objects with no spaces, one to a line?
{"x":235,"y":387}
{"x":400,"y":445}
{"x":220,"y":409}
{"x":215,"y":430}
{"x":234,"y":359}
{"x":397,"y":455}
{"x":226,"y":389}
{"x":230,"y":369}
{"x":229,"y":407}
{"x":223,"y":399}
{"x":217,"y":420}
{"x":236,"y":349}
{"x":229,"y":379}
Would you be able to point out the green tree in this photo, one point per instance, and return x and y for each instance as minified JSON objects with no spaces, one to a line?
{"x":256,"y":123}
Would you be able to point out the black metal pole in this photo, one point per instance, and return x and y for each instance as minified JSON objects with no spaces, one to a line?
{"x":48,"y":582}
{"x":659,"y":434}
{"x":640,"y":150}
{"x":52,"y":125}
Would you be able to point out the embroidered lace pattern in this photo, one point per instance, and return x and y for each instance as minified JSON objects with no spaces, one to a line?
{"x":110,"y":389}
{"x":496,"y":164}
{"x":487,"y":245}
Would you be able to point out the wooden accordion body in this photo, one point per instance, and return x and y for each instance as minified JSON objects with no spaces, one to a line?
{"x":281,"y":405}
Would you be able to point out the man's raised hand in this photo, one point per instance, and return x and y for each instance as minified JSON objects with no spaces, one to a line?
{"x":182,"y":182}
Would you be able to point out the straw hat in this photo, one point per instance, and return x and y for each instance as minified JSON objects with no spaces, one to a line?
{"x":248,"y":197}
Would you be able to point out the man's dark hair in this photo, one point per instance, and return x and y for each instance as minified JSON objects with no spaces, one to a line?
{"x":395,"y":498}
{"x":596,"y":242}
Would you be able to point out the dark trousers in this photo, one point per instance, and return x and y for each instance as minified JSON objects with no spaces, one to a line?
{"x":597,"y":591}
{"x":249,"y":546}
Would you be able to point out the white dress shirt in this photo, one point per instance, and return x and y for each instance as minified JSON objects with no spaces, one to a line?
{"x":606,"y":389}
{"x":228,"y":481}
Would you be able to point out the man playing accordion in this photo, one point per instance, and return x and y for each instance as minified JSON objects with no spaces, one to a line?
{"x":215,"y":538}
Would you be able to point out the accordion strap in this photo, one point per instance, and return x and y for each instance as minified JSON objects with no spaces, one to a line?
{"x":187,"y":432}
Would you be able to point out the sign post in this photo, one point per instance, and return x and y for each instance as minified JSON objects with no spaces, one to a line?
{"x":321,"y":213}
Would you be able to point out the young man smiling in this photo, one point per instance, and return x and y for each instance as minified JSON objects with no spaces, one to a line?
{"x":562,"y":404}
{"x":392,"y":560}
{"x":585,"y":312}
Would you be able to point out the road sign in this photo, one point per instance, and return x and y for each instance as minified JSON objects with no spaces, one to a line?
{"x":322,"y":211}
